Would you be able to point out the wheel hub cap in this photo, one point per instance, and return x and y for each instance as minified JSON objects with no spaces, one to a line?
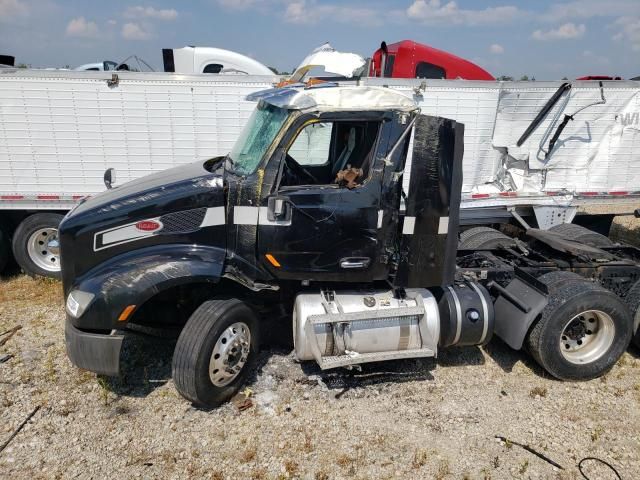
{"x":43,"y":248}
{"x":230,"y":354}
{"x":587,"y":337}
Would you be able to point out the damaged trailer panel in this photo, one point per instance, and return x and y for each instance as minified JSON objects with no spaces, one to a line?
{"x":597,"y":155}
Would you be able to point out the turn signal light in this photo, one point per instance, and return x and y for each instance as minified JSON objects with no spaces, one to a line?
{"x":126,"y":313}
{"x":272,"y":260}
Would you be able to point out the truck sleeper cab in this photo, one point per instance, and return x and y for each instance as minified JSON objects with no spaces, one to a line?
{"x":307,"y":216}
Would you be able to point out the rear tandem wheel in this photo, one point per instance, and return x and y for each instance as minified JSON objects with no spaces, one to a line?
{"x":583,"y":330}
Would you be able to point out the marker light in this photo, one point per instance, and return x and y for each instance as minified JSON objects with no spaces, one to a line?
{"x":126,"y":313}
{"x":272,"y":260}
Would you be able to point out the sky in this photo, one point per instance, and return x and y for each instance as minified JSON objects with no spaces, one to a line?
{"x":544,"y":39}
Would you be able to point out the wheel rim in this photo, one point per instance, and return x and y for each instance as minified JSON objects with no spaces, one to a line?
{"x":230,"y":354}
{"x":587,"y":337}
{"x":43,"y":248}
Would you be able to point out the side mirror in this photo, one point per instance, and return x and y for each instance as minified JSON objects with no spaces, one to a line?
{"x":109,"y":177}
{"x":278,"y":209}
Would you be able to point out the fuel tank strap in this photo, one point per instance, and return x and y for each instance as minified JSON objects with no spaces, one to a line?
{"x":366,"y":315}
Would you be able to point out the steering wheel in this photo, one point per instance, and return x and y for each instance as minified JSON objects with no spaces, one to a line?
{"x":298,"y":169}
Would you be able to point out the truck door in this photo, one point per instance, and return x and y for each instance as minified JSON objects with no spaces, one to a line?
{"x":322,"y":220}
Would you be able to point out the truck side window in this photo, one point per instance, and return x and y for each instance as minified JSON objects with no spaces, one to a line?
{"x":324,"y":152}
{"x":388,"y":66}
{"x":213,"y":68}
{"x":311,"y":146}
{"x":429,"y":70}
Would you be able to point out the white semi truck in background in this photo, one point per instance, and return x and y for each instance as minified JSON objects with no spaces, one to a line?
{"x":543,"y":151}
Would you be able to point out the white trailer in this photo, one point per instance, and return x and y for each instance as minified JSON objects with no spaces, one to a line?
{"x":60,"y":131}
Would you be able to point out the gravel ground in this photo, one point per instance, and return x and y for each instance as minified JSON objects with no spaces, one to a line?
{"x":412,"y":419}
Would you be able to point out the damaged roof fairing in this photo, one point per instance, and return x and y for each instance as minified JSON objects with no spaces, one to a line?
{"x":328,"y":97}
{"x":340,"y":63}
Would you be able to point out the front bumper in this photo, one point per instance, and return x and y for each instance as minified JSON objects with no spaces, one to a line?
{"x":95,"y":352}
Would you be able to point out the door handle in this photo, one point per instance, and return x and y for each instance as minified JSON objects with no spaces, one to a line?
{"x":278,"y":209}
{"x":355,"y":262}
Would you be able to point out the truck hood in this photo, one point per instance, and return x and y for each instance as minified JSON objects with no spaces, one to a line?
{"x":183,"y":205}
{"x":150,"y":186}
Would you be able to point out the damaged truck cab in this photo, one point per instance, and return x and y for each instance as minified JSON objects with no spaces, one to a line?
{"x":306,"y":218}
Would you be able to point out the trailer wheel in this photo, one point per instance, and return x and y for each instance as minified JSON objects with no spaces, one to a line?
{"x":581,"y":234}
{"x":35,"y":245}
{"x":582,"y":332}
{"x":215,"y":352}
{"x":484,"y":237}
{"x":633,"y":302}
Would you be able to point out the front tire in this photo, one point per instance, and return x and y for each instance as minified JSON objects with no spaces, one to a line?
{"x":215,"y":352}
{"x":36,"y":247}
{"x":582,"y":332}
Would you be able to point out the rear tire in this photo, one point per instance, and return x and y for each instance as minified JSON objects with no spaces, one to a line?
{"x":581,"y":234}
{"x":36,"y":247}
{"x":470,"y":232}
{"x":633,"y":302}
{"x":483,"y":238}
{"x":218,"y":331}
{"x":558,"y":277}
{"x":582,"y":332}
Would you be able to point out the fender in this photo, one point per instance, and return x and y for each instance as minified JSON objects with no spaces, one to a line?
{"x":517,"y":307}
{"x":135,"y":277}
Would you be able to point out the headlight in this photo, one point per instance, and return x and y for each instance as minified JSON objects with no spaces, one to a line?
{"x":77,"y":302}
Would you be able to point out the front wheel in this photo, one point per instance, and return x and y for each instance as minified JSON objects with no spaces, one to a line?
{"x":582,"y":332}
{"x":215,"y":351}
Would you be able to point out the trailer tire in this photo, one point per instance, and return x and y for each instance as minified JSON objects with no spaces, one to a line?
{"x":36,"y":231}
{"x":579,"y":310}
{"x":581,"y":234}
{"x":486,"y":239}
{"x":4,"y":250}
{"x":218,"y":331}
{"x":633,"y":302}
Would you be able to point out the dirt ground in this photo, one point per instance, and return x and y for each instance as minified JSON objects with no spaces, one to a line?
{"x":412,"y":419}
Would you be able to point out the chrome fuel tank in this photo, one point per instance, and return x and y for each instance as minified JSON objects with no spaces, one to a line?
{"x":338,"y":328}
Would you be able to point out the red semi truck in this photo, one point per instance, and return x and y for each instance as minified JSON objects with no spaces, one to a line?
{"x":408,"y":59}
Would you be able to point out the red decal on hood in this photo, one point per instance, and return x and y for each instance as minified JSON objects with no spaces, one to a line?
{"x":148,"y":225}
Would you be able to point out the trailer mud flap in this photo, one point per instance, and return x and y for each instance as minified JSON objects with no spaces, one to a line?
{"x":516,"y":308}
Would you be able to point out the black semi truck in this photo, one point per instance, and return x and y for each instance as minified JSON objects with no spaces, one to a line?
{"x":307,"y":219}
